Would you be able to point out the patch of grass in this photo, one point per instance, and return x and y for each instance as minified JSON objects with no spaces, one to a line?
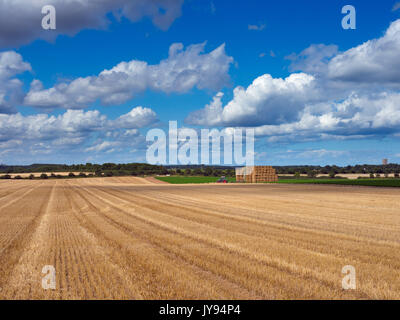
{"x":358,"y":182}
{"x":186,"y":180}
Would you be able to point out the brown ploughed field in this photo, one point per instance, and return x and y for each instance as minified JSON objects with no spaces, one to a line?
{"x":130,"y":238}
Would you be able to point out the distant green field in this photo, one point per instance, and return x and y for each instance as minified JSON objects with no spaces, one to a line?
{"x":358,"y":182}
{"x":185,"y":180}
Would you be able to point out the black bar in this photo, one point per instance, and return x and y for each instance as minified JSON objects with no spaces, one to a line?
{"x":203,"y":309}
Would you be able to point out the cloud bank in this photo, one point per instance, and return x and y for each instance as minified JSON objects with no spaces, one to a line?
{"x":73,"y":131}
{"x":334,"y":95}
{"x":11,"y":94}
{"x":183,"y":70}
{"x":21,"y":23}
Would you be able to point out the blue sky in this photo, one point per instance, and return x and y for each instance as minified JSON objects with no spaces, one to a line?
{"x":91,"y":89}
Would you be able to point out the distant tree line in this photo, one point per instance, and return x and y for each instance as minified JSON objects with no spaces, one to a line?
{"x":98,"y":169}
{"x":143,"y":169}
{"x":203,"y":171}
{"x":357,"y":169}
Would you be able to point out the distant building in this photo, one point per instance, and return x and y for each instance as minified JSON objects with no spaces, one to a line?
{"x":385,"y":162}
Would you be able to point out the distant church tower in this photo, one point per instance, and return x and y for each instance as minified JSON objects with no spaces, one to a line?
{"x":385,"y":162}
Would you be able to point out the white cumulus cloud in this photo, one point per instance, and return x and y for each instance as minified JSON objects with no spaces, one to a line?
{"x":266,"y":100}
{"x":11,"y":64}
{"x":137,"y":118}
{"x":375,"y":61}
{"x":183,"y":70}
{"x":74,"y":130}
{"x":336,"y":95}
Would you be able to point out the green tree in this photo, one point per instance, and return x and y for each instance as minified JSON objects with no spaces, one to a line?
{"x":208,"y":172}
{"x":109,"y":174}
{"x":98,"y":173}
{"x":312,"y":174}
{"x":197,"y":172}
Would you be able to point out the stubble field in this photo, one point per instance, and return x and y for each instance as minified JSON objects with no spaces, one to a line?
{"x":131,"y":238}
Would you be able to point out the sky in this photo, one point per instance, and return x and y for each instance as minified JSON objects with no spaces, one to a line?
{"x":111,"y":70}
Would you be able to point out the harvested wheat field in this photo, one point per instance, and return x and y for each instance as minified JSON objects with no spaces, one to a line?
{"x":129,"y":238}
